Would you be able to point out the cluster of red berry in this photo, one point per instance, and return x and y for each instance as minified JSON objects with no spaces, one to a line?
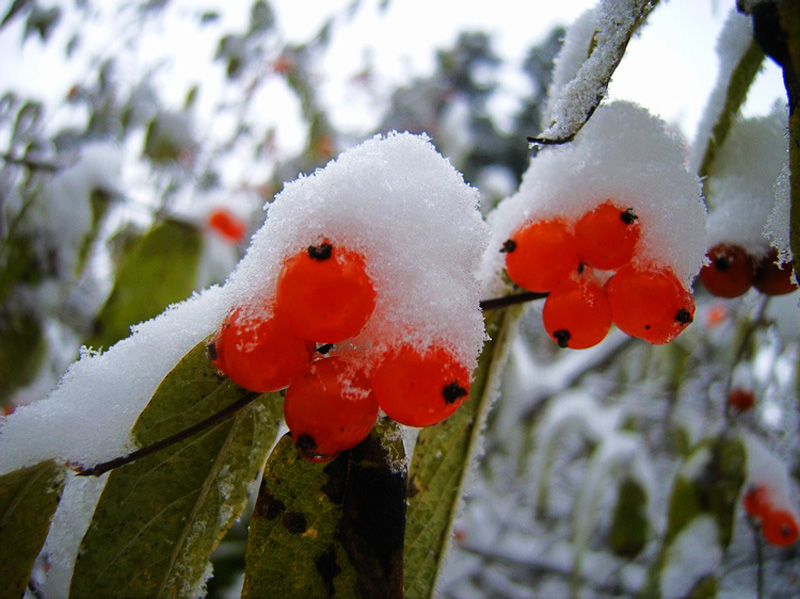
{"x":563,"y":260}
{"x":732,"y":271}
{"x":778,"y":526}
{"x":325,"y":296}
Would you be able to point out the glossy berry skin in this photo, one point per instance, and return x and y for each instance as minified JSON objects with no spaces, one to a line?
{"x":757,"y":502}
{"x":772,"y":278}
{"x":259,"y":354}
{"x":606,"y":236}
{"x":419,"y":389}
{"x":779,"y":528}
{"x":541,"y":255}
{"x":577,"y":314}
{"x":329,"y":409}
{"x":730,"y":273}
{"x":651,"y":304}
{"x":325,"y":292}
{"x":227,"y":225}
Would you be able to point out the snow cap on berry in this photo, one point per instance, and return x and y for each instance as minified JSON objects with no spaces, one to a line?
{"x":625,"y":155}
{"x":409,"y":213}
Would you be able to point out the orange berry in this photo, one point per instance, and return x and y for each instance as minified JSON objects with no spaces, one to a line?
{"x":607,"y":236}
{"x":329,"y":409}
{"x":772,"y":278}
{"x":651,"y":304}
{"x":227,"y":225}
{"x":541,"y":255}
{"x":730,"y":273}
{"x":257,"y":354}
{"x":757,"y":502}
{"x":325,"y":292}
{"x":741,"y":400}
{"x":577,"y":314}
{"x":779,"y":528}
{"x":420,"y":389}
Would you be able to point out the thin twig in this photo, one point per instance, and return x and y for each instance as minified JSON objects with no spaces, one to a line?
{"x":216,"y":418}
{"x":31,"y":163}
{"x":511,"y":300}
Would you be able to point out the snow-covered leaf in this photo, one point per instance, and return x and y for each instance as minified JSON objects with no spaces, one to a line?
{"x":330,"y":530}
{"x":442,"y":459}
{"x":28,"y":498}
{"x":160,"y":517}
{"x":160,"y":269}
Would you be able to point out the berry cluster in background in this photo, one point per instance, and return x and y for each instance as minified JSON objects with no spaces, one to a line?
{"x":778,"y":526}
{"x":732,"y":271}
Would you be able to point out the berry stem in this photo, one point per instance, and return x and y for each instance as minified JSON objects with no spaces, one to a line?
{"x":201,"y":426}
{"x":511,"y":300}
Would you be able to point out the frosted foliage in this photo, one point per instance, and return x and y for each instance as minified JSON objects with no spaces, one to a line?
{"x":626,"y":155}
{"x":409,"y":212}
{"x":693,"y":555}
{"x":573,"y":102}
{"x":87,"y":418}
{"x":573,"y":53}
{"x":736,"y":36}
{"x":63,"y":209}
{"x":744,"y":174}
{"x":396,"y":200}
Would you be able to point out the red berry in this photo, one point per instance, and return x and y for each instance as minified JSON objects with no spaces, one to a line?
{"x":779,"y":528}
{"x":577,"y":314}
{"x":741,"y":400}
{"x":420,"y":389}
{"x":257,"y":354}
{"x":227,"y":225}
{"x":606,"y":236}
{"x":541,"y":255}
{"x":326,"y":293}
{"x":757,"y":502}
{"x":329,"y":409}
{"x":651,"y":304}
{"x":772,"y":278}
{"x":730,"y":273}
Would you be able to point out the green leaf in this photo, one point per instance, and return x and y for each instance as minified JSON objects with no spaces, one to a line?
{"x":158,"y":270}
{"x":441,"y":459}
{"x":629,"y":525}
{"x":22,"y":351}
{"x":330,"y":530}
{"x":28,"y":499}
{"x":160,"y":517}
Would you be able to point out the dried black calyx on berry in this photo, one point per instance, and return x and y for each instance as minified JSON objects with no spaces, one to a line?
{"x":452,"y":391}
{"x":628,"y":216}
{"x":320,"y":252}
{"x":722,"y":263}
{"x":324,"y":348}
{"x":509,"y":245}
{"x":562,"y":337}
{"x":306,"y":444}
{"x":683,"y":317}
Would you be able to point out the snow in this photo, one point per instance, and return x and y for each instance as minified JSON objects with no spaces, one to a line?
{"x":394,"y":199}
{"x":575,"y":99}
{"x":694,"y":554}
{"x":740,"y":192}
{"x":624,"y":154}
{"x":733,"y":41}
{"x":765,"y":469}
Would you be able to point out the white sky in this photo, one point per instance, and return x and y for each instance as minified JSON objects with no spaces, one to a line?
{"x":670,"y":68}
